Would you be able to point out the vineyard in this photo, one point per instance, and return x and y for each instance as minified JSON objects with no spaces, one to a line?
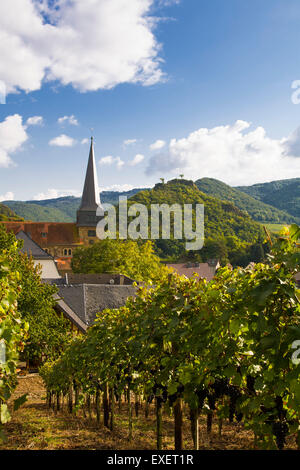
{"x":224,"y":350}
{"x":13,"y":333}
{"x":224,"y":353}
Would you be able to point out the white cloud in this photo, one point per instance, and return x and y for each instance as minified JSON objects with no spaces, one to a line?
{"x":117,"y":187}
{"x":119,"y":162}
{"x":62,"y":140}
{"x":232,"y":153}
{"x":110,"y":160}
{"x":168,"y":3}
{"x":84,"y":141}
{"x":292,"y":143}
{"x":129,"y":142}
{"x":55,"y":193}
{"x":159,"y":144}
{"x":9,"y":196}
{"x":137,"y":159}
{"x":35,"y":121}
{"x":90,"y":44}
{"x":68,"y":120}
{"x":12,"y":136}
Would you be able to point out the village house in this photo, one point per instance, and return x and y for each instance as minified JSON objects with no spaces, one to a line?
{"x":203,"y":270}
{"x":51,"y":246}
{"x":60,"y":240}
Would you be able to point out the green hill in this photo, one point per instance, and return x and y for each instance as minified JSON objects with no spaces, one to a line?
{"x":112,"y":197}
{"x":229,"y":231}
{"x":62,"y":209}
{"x":283,"y":194}
{"x":38,"y":213}
{"x":258,"y":210}
{"x":6,"y":214}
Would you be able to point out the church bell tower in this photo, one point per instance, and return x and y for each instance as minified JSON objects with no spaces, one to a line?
{"x":87,"y":218}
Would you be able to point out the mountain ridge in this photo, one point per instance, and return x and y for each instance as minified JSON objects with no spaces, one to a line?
{"x":272,"y":202}
{"x":282,"y":194}
{"x":259,"y":211}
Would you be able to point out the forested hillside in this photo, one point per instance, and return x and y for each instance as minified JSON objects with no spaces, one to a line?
{"x":229,"y":232}
{"x":283,"y":194}
{"x":258,"y":210}
{"x":7,"y":214}
{"x":62,"y":209}
{"x":277,"y":202}
{"x":38,"y":213}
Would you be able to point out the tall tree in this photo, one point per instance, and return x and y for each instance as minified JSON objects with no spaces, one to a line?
{"x":134,"y":259}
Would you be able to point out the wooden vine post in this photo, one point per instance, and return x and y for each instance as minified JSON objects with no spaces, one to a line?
{"x":130,"y":421}
{"x":112,"y":409}
{"x":178,"y":424}
{"x":105,"y":407}
{"x":98,"y":399}
{"x":194,"y":415}
{"x":158,"y":401}
{"x":70,"y":398}
{"x":58,"y":401}
{"x":136,"y":405}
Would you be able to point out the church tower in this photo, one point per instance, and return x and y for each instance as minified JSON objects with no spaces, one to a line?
{"x":87,"y":218}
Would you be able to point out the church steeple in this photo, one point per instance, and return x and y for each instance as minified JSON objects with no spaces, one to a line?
{"x":86,"y":215}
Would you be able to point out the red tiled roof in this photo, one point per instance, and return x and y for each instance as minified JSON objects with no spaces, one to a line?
{"x":56,"y":233}
{"x":202,"y":269}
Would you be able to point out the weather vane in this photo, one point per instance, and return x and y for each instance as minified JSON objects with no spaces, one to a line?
{"x":92,"y":131}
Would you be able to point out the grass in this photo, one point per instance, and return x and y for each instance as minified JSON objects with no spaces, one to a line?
{"x":35,"y":427}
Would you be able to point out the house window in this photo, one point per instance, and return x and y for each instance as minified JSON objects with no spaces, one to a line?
{"x":65,"y":252}
{"x":44,"y":234}
{"x":91,"y":233}
{"x":46,"y":249}
{"x":70,"y":252}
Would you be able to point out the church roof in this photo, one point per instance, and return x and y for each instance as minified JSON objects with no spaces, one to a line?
{"x":31,"y":248}
{"x":47,"y":233}
{"x":90,"y":196}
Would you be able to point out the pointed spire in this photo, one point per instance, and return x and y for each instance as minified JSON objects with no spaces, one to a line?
{"x":90,"y":201}
{"x":90,"y":196}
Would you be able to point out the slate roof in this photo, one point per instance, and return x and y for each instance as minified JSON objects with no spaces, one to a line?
{"x":86,"y":300}
{"x":70,"y":314}
{"x":31,"y":248}
{"x":100,"y":278}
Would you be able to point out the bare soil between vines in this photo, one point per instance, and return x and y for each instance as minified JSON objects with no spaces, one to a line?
{"x":35,"y":427}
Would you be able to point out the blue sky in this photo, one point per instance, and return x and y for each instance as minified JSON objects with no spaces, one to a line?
{"x":208,"y":81}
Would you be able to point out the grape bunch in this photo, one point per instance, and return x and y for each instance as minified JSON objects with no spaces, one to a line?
{"x":220,"y":387}
{"x":250,"y":384}
{"x":280,"y":429}
{"x":201,"y":394}
{"x":234,"y":394}
{"x":150,"y":399}
{"x":211,"y":398}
